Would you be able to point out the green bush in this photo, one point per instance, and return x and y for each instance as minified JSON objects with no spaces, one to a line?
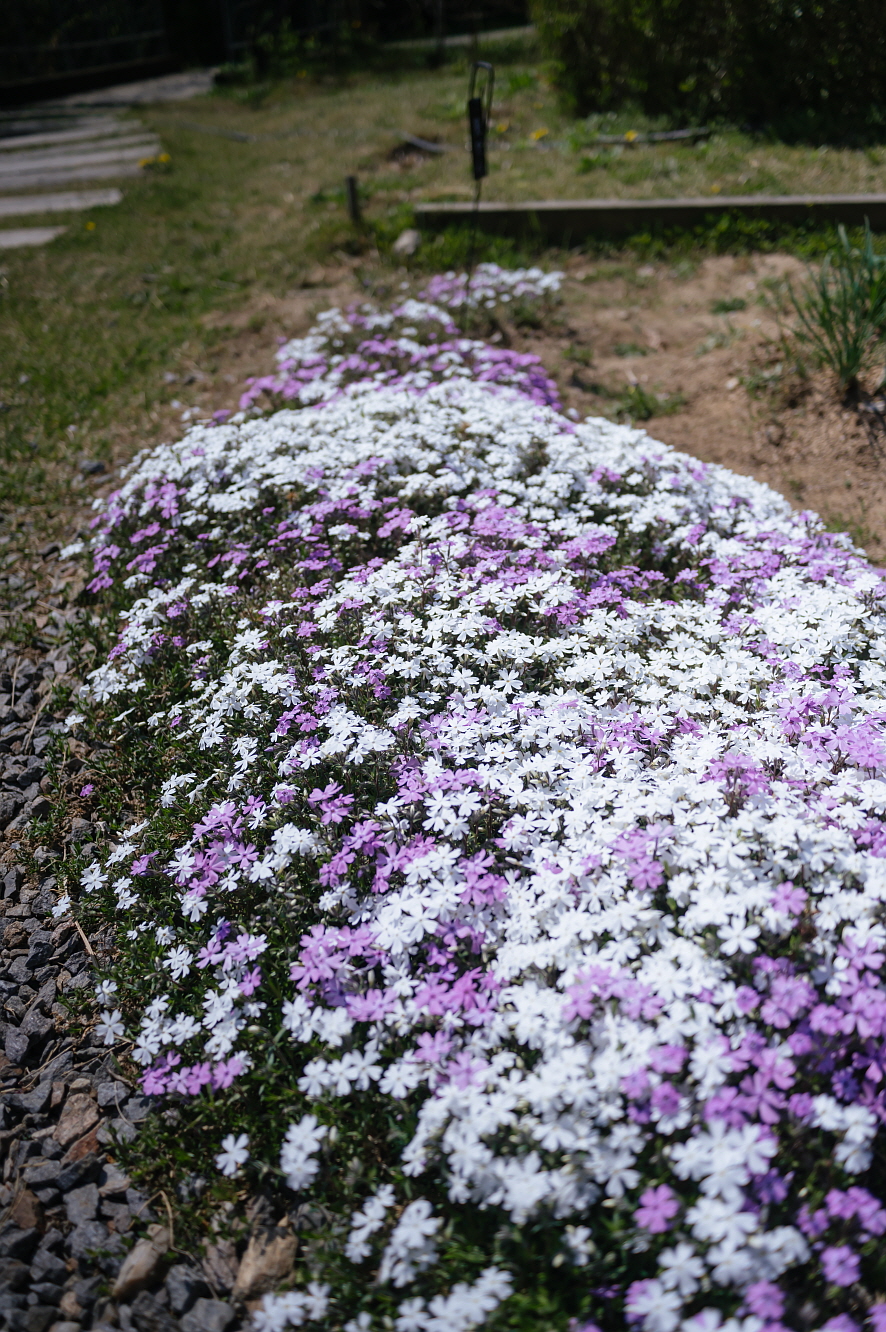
{"x":803,"y":67}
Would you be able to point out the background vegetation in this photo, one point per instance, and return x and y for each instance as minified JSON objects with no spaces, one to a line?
{"x":818,"y":66}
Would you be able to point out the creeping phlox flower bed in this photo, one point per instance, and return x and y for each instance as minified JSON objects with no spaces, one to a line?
{"x":513,"y":897}
{"x":413,"y":345}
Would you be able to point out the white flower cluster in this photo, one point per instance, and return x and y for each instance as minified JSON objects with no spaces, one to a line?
{"x":576,"y":747}
{"x":301,"y":1143}
{"x":490,"y":285}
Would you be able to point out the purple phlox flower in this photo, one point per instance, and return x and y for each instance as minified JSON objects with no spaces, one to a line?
{"x":666,"y":1100}
{"x":432,"y":1047}
{"x":840,"y":1265}
{"x":245,"y":948}
{"x":789,"y":900}
{"x":333,"y":807}
{"x":772,"y":1187}
{"x":840,"y":1323}
{"x":211,"y":954}
{"x":220,"y":816}
{"x":250,"y":981}
{"x":87,"y":790}
{"x":765,"y":1299}
{"x":788,"y":998}
{"x":877,"y":1316}
{"x":143,"y":864}
{"x":465,"y":1069}
{"x":372,"y":1006}
{"x":668,"y":1058}
{"x":658,"y":1207}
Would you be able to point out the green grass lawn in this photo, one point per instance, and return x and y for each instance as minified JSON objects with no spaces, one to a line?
{"x":252,"y":200}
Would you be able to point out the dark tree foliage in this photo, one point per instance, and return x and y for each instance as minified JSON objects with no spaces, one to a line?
{"x":802,"y":66}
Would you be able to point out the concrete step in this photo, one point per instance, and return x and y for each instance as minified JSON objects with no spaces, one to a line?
{"x":21,"y":205}
{"x":125,"y":150}
{"x":104,"y":128}
{"x":69,"y":175}
{"x":15,"y":238}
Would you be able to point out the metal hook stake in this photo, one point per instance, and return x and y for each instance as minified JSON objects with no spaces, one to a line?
{"x":479,"y":112}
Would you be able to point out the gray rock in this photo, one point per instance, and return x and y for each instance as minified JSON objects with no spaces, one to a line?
{"x":18,"y":1243}
{"x":112,"y":1094}
{"x":148,"y":1315}
{"x":208,"y":1316}
{"x":138,"y":1108}
{"x":45,"y":1266}
{"x":184,"y":1285}
{"x":13,"y":1273}
{"x":39,"y":1317}
{"x":32,"y":1102}
{"x":41,"y":949}
{"x":36,"y":1025}
{"x":12,"y":881}
{"x":88,"y":1236}
{"x":82,"y":1204}
{"x":44,"y":1175}
{"x":119,"y":1213}
{"x":48,"y":1292}
{"x":17,"y":1042}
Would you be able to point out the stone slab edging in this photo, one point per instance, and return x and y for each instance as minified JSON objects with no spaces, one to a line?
{"x":568,"y":220}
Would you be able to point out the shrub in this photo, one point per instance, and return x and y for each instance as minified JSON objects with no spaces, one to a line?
{"x":760,"y":60}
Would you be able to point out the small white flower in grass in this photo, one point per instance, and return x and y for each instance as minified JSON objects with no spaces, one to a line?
{"x":62,"y":907}
{"x":104,"y":990}
{"x":362,"y":1323}
{"x":110,"y":1026}
{"x":301,"y":1142}
{"x":179,"y":962}
{"x":233,"y":1155}
{"x":681,"y":1268}
{"x":657,"y":1308}
{"x":579,"y":1240}
{"x":93,"y":877}
{"x":739,"y":938}
{"x":411,"y":1316}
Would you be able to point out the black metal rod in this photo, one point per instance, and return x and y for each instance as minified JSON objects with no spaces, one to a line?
{"x":353,"y":198}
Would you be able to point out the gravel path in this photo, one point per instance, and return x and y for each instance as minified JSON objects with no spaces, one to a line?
{"x":68,"y":1213}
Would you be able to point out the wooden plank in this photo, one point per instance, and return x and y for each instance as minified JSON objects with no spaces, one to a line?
{"x":572,"y":220}
{"x":21,"y":205}
{"x":67,"y":176}
{"x":127,"y":150}
{"x":104,"y":128}
{"x":15,"y":238}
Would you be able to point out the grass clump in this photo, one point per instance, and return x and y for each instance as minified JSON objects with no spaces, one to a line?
{"x":841,"y":312}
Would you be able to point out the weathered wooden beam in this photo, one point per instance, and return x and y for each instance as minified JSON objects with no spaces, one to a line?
{"x":565,"y":221}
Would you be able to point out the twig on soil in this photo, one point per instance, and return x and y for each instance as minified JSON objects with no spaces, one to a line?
{"x":89,"y":948}
{"x":27,"y":739}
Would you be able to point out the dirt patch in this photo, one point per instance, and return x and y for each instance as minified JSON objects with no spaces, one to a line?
{"x":729,"y":394}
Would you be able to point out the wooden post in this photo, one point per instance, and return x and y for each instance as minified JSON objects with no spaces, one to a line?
{"x":353,"y":199}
